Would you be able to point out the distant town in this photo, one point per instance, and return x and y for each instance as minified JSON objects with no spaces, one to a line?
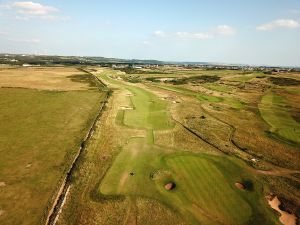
{"x":27,"y":60}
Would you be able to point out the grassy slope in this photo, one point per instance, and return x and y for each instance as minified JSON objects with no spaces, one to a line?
{"x":40,"y":134}
{"x":273,"y":110}
{"x":232,"y":102}
{"x":217,"y":87}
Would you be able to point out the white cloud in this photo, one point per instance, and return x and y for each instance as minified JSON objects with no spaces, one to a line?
{"x":146,"y":43}
{"x":225,"y":30}
{"x":2,"y":33}
{"x":159,"y":33}
{"x":32,"y":8}
{"x":5,"y":6}
{"x":221,"y":30}
{"x":282,"y":23}
{"x":189,"y":35}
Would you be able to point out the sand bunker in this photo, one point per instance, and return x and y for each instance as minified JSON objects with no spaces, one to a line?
{"x":240,"y":186}
{"x":2,"y":184}
{"x":170,"y":186}
{"x":1,"y":212}
{"x":285,"y":218}
{"x":126,"y":108}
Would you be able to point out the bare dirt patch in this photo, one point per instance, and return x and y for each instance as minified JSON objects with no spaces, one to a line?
{"x":2,"y":184}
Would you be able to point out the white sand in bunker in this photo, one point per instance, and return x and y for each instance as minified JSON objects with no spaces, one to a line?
{"x":126,"y":108}
{"x":170,"y":186}
{"x":41,"y":78}
{"x":240,"y":185}
{"x":285,"y":217}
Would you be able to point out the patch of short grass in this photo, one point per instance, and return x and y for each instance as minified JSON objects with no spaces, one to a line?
{"x":274,"y":111}
{"x":243,"y":78}
{"x":149,"y":111}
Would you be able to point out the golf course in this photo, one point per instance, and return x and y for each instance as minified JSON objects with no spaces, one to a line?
{"x":204,"y":184}
{"x":97,"y":145}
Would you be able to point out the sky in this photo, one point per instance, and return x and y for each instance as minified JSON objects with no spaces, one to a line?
{"x":256,"y":32}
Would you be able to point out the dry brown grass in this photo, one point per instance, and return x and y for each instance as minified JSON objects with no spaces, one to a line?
{"x":43,"y":78}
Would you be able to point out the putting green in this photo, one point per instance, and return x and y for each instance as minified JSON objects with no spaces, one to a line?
{"x":274,"y":111}
{"x":204,"y":191}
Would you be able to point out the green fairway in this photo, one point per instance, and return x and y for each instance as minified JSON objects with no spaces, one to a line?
{"x":274,"y":111}
{"x":149,"y":111}
{"x":204,"y":192}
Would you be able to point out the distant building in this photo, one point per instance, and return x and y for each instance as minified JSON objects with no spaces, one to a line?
{"x":26,"y":65}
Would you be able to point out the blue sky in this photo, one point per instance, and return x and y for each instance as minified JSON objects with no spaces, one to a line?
{"x":231,"y":31}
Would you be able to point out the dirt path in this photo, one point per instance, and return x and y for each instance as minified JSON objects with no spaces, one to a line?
{"x":131,"y":218}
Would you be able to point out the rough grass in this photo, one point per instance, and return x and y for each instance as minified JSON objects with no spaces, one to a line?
{"x":41,"y":132}
{"x":217,"y":87}
{"x":199,"y":96}
{"x":232,"y":102}
{"x":43,"y":78}
{"x":274,"y":111}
